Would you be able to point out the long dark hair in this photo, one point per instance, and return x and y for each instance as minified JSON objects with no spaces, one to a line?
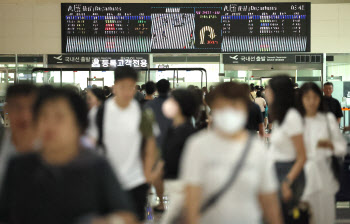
{"x":283,"y":91}
{"x":305,"y":89}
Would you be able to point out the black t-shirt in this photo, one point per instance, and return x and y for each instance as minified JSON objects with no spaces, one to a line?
{"x":173,"y":146}
{"x":333,"y":106}
{"x":254,"y":118}
{"x":35,"y":192}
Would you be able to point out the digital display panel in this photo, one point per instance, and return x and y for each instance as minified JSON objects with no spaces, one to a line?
{"x":185,"y":28}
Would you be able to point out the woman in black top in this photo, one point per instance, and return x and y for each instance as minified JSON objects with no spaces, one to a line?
{"x":180,"y":107}
{"x":62,"y":183}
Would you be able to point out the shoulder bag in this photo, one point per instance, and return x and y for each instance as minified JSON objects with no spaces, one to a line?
{"x":180,"y":219}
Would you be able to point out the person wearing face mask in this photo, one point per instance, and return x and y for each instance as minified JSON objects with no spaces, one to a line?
{"x":180,"y":108}
{"x":287,"y":148}
{"x":227,"y":175}
{"x":322,"y":139}
{"x":21,"y":137}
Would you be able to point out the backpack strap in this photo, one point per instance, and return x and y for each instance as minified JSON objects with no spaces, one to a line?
{"x":99,"y":124}
{"x":230,"y":182}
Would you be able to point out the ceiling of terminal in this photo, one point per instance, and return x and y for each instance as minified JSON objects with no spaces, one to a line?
{"x":173,"y":1}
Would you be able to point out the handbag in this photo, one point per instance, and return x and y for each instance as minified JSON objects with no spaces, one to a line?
{"x":180,"y":219}
{"x":336,"y":162}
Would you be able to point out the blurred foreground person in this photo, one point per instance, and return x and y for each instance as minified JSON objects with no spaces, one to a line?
{"x":62,"y":183}
{"x":180,"y":108}
{"x":287,"y":143}
{"x":125,"y":134}
{"x":322,"y":139}
{"x":21,"y":137}
{"x":227,"y":175}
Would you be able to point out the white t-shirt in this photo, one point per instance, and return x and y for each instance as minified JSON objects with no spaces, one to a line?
{"x":282,"y":147}
{"x":208,"y":162}
{"x":122,"y":139}
{"x":261,"y":102}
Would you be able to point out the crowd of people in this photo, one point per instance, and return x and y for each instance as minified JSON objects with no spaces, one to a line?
{"x":93,"y":157}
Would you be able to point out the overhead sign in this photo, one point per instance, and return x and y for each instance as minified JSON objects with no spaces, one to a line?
{"x":185,"y":27}
{"x":271,"y":58}
{"x":101,"y":61}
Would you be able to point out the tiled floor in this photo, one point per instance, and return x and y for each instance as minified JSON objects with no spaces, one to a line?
{"x":343,"y":214}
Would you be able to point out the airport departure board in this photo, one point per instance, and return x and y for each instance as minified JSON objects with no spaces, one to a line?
{"x":185,"y":28}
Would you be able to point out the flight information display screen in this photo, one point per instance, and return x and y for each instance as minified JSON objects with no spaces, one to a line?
{"x":177,"y":28}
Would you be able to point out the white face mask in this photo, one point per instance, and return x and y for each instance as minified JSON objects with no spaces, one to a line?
{"x":229,"y":120}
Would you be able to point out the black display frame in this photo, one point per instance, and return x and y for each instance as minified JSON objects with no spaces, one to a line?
{"x":196,"y":50}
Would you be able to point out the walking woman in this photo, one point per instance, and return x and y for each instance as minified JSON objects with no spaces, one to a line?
{"x":181,"y":106}
{"x":322,"y":139}
{"x":287,"y":144}
{"x":229,"y":166}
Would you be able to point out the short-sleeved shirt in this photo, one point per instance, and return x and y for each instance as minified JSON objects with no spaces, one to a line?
{"x":333,"y":106}
{"x":122,"y":138}
{"x":282,"y":148}
{"x":208,"y":162}
{"x":36,"y":192}
{"x":254,"y":118}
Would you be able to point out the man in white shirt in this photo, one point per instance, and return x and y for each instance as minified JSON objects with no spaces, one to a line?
{"x":122,"y":138}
